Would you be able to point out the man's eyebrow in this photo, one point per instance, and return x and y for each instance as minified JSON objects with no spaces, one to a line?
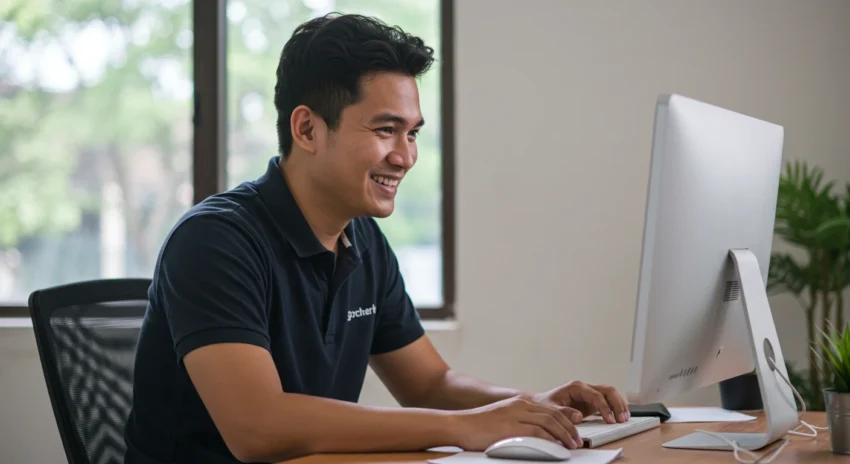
{"x":395,"y":119}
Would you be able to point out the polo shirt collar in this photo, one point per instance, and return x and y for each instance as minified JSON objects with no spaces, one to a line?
{"x":288,"y":218}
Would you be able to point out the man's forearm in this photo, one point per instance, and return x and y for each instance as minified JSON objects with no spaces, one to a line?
{"x":300,"y":424}
{"x":459,"y":391}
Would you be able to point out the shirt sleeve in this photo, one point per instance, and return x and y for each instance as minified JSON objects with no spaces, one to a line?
{"x":398,"y":322}
{"x":211,"y":285}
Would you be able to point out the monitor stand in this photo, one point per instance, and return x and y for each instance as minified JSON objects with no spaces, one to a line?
{"x":780,"y":409}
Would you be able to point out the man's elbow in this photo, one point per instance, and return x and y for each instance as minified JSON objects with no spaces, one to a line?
{"x":251,"y":444}
{"x":245,"y":448}
{"x":247,"y":451}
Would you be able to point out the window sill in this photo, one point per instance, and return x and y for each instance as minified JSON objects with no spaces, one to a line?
{"x":15,"y":323}
{"x":440,"y":325}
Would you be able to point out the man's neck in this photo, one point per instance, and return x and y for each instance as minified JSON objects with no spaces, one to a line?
{"x":317,"y":210}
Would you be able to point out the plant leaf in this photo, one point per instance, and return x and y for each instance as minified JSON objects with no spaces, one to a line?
{"x":836,"y":350}
{"x":833,"y":233}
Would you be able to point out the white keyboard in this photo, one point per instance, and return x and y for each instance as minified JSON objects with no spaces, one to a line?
{"x":596,"y":432}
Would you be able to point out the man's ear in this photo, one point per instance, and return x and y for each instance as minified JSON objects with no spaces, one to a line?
{"x":305,"y":126}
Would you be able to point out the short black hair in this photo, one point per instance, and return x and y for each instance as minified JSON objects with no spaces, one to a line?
{"x":321,"y":65}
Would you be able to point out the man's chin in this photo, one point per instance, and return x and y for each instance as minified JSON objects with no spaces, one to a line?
{"x":381,"y":214}
{"x":381,"y":211}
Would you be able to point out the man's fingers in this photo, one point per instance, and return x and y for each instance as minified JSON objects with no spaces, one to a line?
{"x":574,"y":415}
{"x":567,"y":417}
{"x":528,"y":430}
{"x":616,"y":401}
{"x":553,"y":426}
{"x":590,"y":395}
{"x":562,"y":420}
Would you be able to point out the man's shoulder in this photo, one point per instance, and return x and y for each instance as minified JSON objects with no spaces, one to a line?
{"x":236,"y":205}
{"x":217,"y":240}
{"x":225,"y":220}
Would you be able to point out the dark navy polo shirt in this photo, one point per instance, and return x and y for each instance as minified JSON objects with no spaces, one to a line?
{"x":244,"y":266}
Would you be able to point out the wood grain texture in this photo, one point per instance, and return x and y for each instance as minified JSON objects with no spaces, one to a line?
{"x":646,"y":447}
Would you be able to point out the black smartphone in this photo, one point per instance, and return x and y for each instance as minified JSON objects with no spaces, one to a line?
{"x":650,"y":410}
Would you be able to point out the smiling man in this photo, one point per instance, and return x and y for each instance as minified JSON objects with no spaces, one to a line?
{"x":269,"y":301}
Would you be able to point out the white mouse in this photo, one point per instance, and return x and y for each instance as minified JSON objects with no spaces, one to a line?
{"x":528,"y":448}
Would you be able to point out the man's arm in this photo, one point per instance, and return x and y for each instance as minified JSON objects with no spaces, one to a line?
{"x":417,"y":376}
{"x":240,"y":387}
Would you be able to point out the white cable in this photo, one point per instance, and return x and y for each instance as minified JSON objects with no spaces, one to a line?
{"x":803,"y":423}
{"x":737,"y":449}
{"x":769,"y":458}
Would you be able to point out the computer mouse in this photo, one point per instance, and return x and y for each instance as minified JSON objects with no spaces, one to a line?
{"x":527,"y":448}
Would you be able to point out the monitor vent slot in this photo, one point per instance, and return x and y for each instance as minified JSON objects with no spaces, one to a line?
{"x":732,"y":292}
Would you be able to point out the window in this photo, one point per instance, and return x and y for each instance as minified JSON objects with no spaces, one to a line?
{"x":86,"y":196}
{"x":95,"y":139}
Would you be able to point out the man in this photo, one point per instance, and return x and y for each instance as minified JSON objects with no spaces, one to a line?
{"x":270,"y":301}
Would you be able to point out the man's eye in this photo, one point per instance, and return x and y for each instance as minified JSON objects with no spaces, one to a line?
{"x":414,"y":133}
{"x":386,"y":130}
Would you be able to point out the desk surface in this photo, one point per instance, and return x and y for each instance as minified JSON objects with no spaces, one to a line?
{"x":646,"y":447}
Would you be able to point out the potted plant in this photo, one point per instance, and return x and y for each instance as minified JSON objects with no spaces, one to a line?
{"x":815,"y":223}
{"x":835,"y":358}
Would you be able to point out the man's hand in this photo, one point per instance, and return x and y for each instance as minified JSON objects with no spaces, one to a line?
{"x":588,"y":399}
{"x":517,"y":416}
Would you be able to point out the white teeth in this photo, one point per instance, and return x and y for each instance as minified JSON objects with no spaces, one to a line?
{"x":385,"y":181}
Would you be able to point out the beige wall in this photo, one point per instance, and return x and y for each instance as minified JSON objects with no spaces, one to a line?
{"x":554,"y":112}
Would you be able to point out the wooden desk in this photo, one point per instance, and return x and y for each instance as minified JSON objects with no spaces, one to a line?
{"x":646,"y":447}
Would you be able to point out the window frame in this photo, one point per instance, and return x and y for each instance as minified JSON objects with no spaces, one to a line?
{"x":209,"y":151}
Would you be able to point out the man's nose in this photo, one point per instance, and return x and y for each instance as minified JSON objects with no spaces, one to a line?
{"x":404,"y":155}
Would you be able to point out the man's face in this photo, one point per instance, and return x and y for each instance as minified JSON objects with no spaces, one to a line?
{"x":363,"y":161}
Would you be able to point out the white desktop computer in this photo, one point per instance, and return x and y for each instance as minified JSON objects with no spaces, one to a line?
{"x":702,"y":311}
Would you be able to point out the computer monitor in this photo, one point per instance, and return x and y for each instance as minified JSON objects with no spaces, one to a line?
{"x":702,"y":311}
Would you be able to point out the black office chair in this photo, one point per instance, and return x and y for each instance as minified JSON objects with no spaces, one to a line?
{"x":86,"y":333}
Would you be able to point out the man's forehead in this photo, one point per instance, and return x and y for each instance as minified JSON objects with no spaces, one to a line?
{"x":385,"y":95}
{"x":386,"y":88}
{"x":385,"y":108}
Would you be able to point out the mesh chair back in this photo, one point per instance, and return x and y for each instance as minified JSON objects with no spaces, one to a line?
{"x":86,"y":334}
